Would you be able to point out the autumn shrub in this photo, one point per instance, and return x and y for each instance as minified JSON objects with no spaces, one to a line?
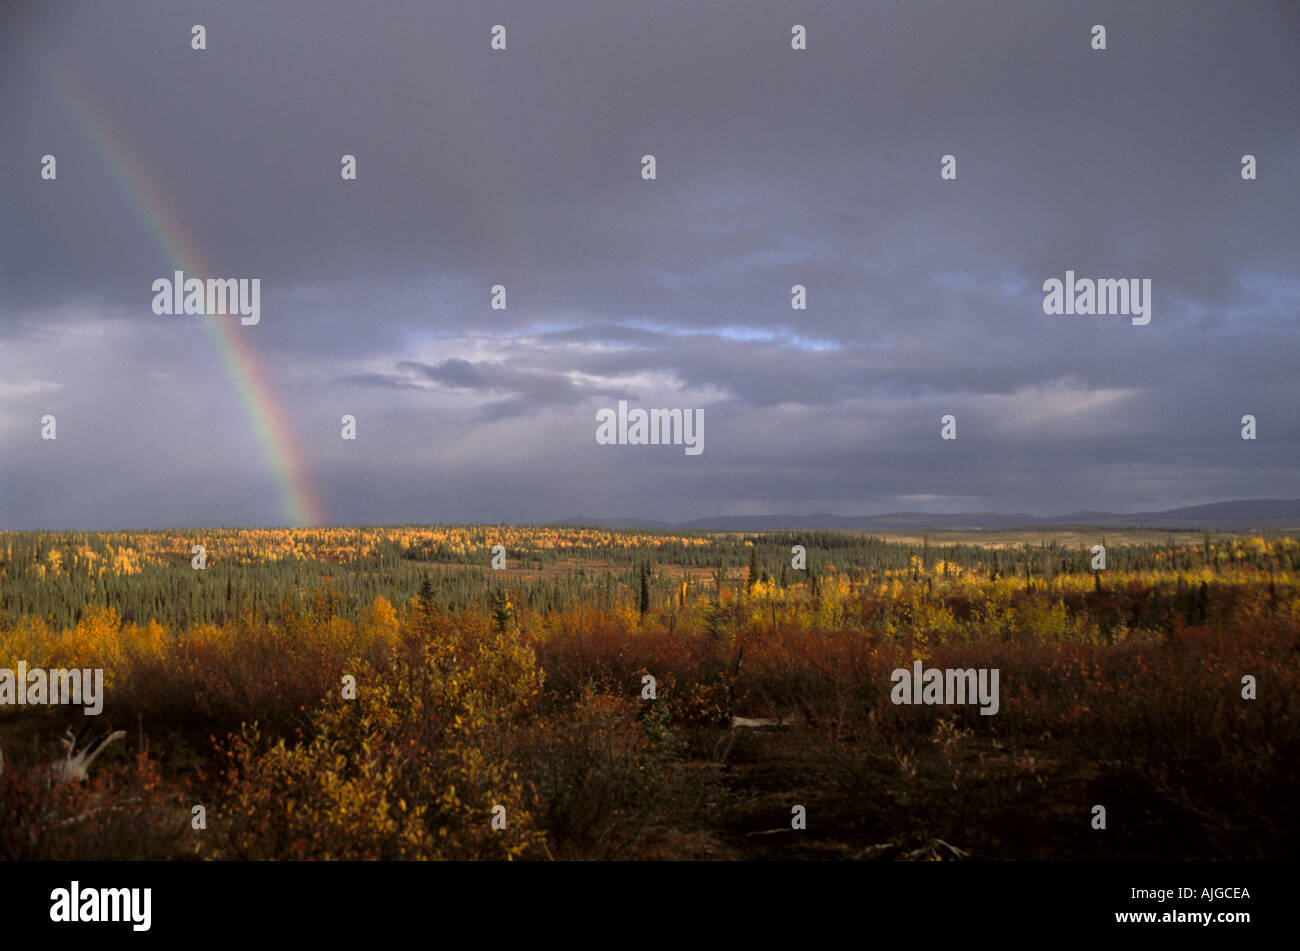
{"x":216,"y":677}
{"x":1168,"y":722}
{"x":413,"y":768}
{"x":27,"y":639}
{"x":602,"y":770}
{"x":689,"y":669}
{"x":125,"y":809}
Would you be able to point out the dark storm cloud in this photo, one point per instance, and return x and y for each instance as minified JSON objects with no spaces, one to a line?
{"x":774,"y":168}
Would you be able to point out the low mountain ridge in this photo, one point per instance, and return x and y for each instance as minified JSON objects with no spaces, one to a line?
{"x":1240,"y":514}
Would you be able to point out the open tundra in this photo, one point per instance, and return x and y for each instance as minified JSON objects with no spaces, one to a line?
{"x":581,"y":692}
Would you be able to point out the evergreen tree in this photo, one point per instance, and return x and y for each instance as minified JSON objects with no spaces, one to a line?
{"x":502,"y":612}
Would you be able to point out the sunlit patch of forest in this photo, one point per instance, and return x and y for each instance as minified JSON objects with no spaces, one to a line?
{"x":524,"y":687}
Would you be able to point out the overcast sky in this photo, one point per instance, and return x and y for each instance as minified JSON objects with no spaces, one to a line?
{"x":774,"y":167}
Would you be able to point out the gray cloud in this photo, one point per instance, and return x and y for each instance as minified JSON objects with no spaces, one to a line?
{"x":522,"y":168}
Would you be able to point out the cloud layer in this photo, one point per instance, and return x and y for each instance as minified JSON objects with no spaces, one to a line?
{"x":522,"y":168}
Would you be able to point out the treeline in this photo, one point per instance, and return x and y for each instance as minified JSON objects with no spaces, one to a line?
{"x":58,"y":577}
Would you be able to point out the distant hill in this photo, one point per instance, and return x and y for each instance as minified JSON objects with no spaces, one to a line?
{"x":1242,"y":514}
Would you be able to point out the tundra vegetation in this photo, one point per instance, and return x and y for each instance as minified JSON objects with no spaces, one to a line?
{"x":525,"y":688}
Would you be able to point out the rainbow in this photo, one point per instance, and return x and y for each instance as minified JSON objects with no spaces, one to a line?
{"x":298,"y":499}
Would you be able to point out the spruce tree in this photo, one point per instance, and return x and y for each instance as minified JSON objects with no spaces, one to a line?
{"x":502,"y":612}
